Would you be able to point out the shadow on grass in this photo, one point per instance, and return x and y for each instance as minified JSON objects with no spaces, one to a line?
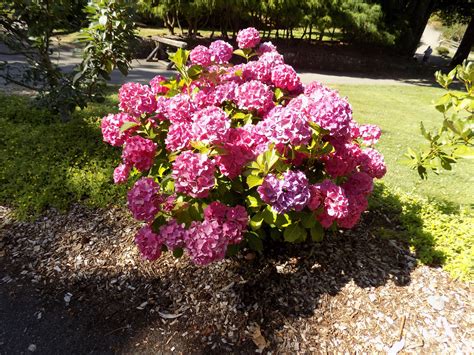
{"x":287,"y":283}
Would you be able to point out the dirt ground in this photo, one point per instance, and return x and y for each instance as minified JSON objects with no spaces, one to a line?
{"x":75,"y":283}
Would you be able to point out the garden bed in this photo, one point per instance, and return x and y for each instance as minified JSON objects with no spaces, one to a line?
{"x":76,"y":281}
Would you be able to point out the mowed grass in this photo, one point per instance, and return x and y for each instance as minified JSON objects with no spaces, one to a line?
{"x":398,"y":110}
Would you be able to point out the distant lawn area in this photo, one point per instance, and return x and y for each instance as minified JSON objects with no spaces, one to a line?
{"x":398,"y":110}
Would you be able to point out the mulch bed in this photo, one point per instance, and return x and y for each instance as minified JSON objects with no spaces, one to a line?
{"x":75,"y":283}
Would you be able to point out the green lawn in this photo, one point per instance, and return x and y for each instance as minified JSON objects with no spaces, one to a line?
{"x":46,"y":163}
{"x":398,"y":110}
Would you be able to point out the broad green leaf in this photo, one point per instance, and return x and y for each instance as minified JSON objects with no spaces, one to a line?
{"x":255,"y":242}
{"x":253,"y":201}
{"x":256,"y":221}
{"x":295,"y":233}
{"x":194,"y":71}
{"x":308,"y":221}
{"x":127,"y":125}
{"x":269,"y":216}
{"x":253,"y":181}
{"x":317,"y":233}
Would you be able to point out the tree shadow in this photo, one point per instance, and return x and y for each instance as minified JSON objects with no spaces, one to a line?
{"x":116,"y":297}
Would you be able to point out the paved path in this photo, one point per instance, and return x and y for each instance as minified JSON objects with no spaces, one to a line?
{"x":144,"y":71}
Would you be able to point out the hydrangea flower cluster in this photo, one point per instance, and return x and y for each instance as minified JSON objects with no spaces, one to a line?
{"x":230,"y":153}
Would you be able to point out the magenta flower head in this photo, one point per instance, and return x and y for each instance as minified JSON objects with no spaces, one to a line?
{"x":139,"y":152}
{"x":254,"y":96}
{"x":137,"y":99}
{"x":372,"y":162}
{"x":285,"y":77}
{"x":144,"y":199}
{"x":248,"y":38}
{"x":193,"y":174}
{"x":210,"y":125}
{"x":370,"y":134}
{"x":111,"y":125}
{"x":149,"y":243}
{"x":205,"y":242}
{"x":221,"y":52}
{"x":200,"y":55}
{"x":173,"y":234}
{"x":157,"y":86}
{"x":121,"y":173}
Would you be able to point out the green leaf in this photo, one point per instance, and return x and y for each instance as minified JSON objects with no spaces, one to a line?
{"x":256,"y":221}
{"x":309,"y":220}
{"x":255,"y":242}
{"x":178,"y":252}
{"x":253,"y":181}
{"x":269,"y":216}
{"x":253,"y":201}
{"x":157,"y":223}
{"x":279,"y":94}
{"x":240,"y":53}
{"x":317,"y":233}
{"x":127,"y":125}
{"x":194,"y":71}
{"x":294,"y":233}
{"x":232,"y":249}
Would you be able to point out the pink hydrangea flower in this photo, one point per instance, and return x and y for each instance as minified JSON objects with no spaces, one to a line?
{"x":121,"y":173}
{"x":327,"y":109}
{"x":266,"y":47}
{"x":111,"y":125}
{"x":356,"y":205}
{"x":272,"y":58}
{"x":286,"y":126}
{"x":258,"y":70}
{"x":193,"y":174}
{"x":180,"y":108}
{"x":254,"y":96}
{"x":210,"y":125}
{"x":221,"y":52}
{"x":149,"y":243}
{"x":370,"y":134}
{"x":343,"y":161}
{"x":139,"y":152}
{"x":316,"y":198}
{"x":285,"y":77}
{"x":200,"y":55}
{"x":157,"y":86}
{"x":248,"y":38}
{"x":233,"y":220}
{"x":179,"y":136}
{"x":239,"y":150}
{"x":224,"y":92}
{"x":335,"y":203}
{"x":372,"y":162}
{"x":359,"y":183}
{"x":144,"y":199}
{"x":173,"y":234}
{"x":136,"y":99}
{"x":292,"y":192}
{"x":205,"y":242}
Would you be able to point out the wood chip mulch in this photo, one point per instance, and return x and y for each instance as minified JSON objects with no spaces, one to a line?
{"x":75,"y":282}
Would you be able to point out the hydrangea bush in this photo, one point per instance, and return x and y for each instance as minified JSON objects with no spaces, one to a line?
{"x":229,"y":155}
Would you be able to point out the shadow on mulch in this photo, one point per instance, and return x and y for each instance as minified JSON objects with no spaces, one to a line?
{"x":218,"y":303}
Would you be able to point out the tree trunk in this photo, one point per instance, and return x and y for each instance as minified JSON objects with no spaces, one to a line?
{"x":466,"y":44}
{"x":420,"y":13}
